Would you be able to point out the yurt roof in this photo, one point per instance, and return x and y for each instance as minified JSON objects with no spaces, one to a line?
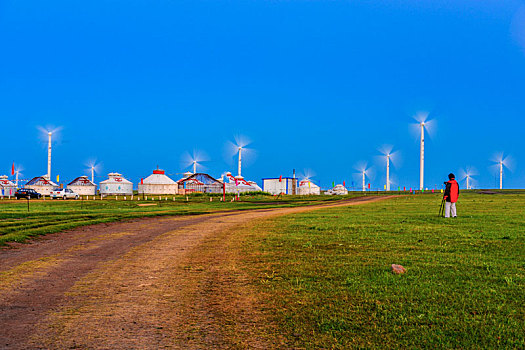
{"x":4,"y":181}
{"x":158,"y":178}
{"x":115,"y":178}
{"x":304,"y":183}
{"x":81,"y":181}
{"x":40,"y":181}
{"x":201,"y":179}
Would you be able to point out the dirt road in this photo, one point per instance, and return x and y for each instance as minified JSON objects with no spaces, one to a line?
{"x":146,"y":284}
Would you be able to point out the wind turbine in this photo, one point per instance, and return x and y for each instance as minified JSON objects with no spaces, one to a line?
{"x":49,"y":134}
{"x":390,"y":157}
{"x":467,"y":174}
{"x":423,"y":124}
{"x":238,"y":147}
{"x":194,"y":159}
{"x":363,"y":173}
{"x":502,"y":162}
{"x":93,"y":167}
{"x":18,"y":171}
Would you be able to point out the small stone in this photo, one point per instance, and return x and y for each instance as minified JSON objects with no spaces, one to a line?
{"x":398,"y":269}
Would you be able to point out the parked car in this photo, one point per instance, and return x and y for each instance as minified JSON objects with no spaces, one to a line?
{"x":63,"y":193}
{"x":27,"y":193}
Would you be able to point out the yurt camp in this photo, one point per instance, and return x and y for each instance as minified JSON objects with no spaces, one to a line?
{"x":41,"y":185}
{"x":7,"y":187}
{"x":116,"y":184}
{"x":83,"y":186}
{"x":307,"y":187}
{"x":158,"y":183}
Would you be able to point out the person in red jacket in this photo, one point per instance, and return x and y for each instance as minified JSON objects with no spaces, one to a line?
{"x":451,"y":196}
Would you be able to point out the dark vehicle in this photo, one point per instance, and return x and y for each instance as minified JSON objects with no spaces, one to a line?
{"x":27,"y":193}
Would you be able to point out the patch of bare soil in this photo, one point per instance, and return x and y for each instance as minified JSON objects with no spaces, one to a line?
{"x":148,"y":284}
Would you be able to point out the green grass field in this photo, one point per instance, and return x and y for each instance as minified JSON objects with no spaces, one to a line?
{"x":17,"y":224}
{"x":326,"y":282}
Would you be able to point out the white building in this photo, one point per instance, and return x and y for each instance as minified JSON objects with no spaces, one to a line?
{"x":116,"y":185}
{"x":158,"y":183}
{"x":307,"y":187}
{"x":83,"y":186}
{"x":278,"y":185}
{"x":41,"y":185}
{"x":7,"y":187}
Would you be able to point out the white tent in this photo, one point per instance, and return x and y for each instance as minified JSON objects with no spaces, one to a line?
{"x":116,"y":184}
{"x":158,"y":183}
{"x":239,"y":184}
{"x":83,"y":186}
{"x":338,"y":190}
{"x":307,"y":187}
{"x":41,"y":185}
{"x":7,"y":187}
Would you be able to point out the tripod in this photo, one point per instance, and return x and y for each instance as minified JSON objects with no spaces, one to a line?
{"x":442,"y":208}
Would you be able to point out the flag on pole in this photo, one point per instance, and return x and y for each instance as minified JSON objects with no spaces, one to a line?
{"x":369,"y":185}
{"x":13,"y":169}
{"x":280,"y":178}
{"x":344,"y":183}
{"x":58,"y":178}
{"x":384,"y":187}
{"x":333,"y":183}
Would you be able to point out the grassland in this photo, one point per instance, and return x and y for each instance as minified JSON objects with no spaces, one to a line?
{"x":324,"y":276}
{"x":18,"y":223}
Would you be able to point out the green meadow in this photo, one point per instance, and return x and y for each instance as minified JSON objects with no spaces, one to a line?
{"x":325,"y":278}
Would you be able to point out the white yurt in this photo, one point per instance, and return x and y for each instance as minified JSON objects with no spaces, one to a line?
{"x":41,"y":185}
{"x":158,"y":183}
{"x":338,"y":190}
{"x":238,"y":184}
{"x":116,"y":184}
{"x":83,"y":186}
{"x":307,"y":187}
{"x":7,"y":187}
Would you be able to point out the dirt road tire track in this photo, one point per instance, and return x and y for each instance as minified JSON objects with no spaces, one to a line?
{"x":151,"y":283}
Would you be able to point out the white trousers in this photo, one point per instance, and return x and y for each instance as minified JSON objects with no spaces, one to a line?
{"x":450,"y":209}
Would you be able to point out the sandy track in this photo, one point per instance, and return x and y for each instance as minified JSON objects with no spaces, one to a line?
{"x":146,"y":284}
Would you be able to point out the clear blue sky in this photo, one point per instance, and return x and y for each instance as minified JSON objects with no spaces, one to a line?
{"x":317,"y":85}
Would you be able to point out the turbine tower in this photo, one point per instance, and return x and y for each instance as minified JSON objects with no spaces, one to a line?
{"x":194,"y":166}
{"x":421,"y":157}
{"x":240,"y":155}
{"x":49,"y":155}
{"x":501,"y":174}
{"x":364,"y":176}
{"x":93,"y":173}
{"x":468,"y":178}
{"x":388,"y":172}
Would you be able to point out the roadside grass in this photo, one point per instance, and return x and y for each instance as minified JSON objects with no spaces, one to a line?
{"x":17,"y":224}
{"x":324,"y":276}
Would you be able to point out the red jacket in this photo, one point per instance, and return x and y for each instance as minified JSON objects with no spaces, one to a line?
{"x":451,"y":191}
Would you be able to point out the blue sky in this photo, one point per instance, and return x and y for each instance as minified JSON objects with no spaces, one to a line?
{"x":316,"y":85}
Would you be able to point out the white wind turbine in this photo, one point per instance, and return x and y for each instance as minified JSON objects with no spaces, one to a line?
{"x":364,"y":172}
{"x":239,"y":146}
{"x":502,"y":162}
{"x":49,"y":133}
{"x":467,"y":175}
{"x":423,"y":124}
{"x":195,"y":159}
{"x":93,"y":167}
{"x":390,"y":157}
